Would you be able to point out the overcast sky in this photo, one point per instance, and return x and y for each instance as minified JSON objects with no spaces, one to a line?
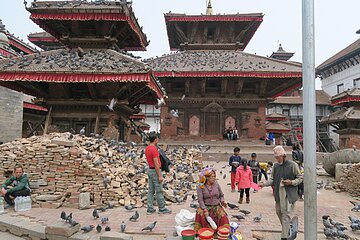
{"x":335,"y":23}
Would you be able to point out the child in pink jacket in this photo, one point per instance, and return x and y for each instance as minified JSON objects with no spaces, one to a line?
{"x":243,"y":179}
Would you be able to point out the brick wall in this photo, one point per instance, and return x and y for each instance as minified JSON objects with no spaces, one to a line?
{"x":349,"y":140}
{"x":11,"y":114}
{"x":255,"y":124}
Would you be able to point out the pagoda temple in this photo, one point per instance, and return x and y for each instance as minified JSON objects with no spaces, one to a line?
{"x":92,"y":82}
{"x":346,"y":121}
{"x":11,"y":46}
{"x":212,"y":83}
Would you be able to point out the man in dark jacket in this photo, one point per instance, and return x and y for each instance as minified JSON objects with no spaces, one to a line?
{"x":285,"y":177}
{"x":16,"y":185}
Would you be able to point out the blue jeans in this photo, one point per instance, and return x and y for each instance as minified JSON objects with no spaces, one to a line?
{"x":155,"y":188}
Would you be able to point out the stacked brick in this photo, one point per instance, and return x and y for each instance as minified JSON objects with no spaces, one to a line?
{"x":60,"y":166}
{"x":350,"y":181}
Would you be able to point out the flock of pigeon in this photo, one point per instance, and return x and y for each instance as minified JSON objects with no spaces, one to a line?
{"x":335,"y":230}
{"x":76,"y":60}
{"x":105,"y":219}
{"x":208,"y":60}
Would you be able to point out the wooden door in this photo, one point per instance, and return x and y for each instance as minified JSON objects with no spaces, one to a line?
{"x":212,"y":124}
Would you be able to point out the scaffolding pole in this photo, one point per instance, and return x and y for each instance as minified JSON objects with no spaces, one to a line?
{"x":309,"y":106}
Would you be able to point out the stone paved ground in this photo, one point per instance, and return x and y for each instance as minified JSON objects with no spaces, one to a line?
{"x":334,"y":204}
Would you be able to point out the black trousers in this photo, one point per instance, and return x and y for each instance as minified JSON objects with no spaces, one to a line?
{"x":247,"y":192}
{"x":262,"y":171}
{"x":301,"y":190}
{"x":255,"y":179}
{"x":23,"y":193}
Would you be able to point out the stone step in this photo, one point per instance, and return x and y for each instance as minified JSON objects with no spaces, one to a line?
{"x":224,"y":157}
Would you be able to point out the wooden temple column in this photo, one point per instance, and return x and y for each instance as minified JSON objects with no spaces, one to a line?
{"x":187,"y":87}
{"x":239,"y":87}
{"x":97,"y":121}
{"x":224,"y":83}
{"x":203,"y":87}
{"x":47,"y":121}
{"x":221,"y":123}
{"x":202,"y":125}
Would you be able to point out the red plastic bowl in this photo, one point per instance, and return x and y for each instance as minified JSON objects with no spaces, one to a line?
{"x":188,"y":233}
{"x":201,"y":232}
{"x":224,"y":230}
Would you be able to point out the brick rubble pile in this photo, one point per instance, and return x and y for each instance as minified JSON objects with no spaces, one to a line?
{"x":60,"y":166}
{"x":350,"y":181}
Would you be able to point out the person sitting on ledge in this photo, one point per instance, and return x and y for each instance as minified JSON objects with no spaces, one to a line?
{"x":16,"y":185}
{"x":211,"y":201}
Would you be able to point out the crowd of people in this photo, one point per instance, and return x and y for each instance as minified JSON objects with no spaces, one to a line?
{"x":285,"y":179}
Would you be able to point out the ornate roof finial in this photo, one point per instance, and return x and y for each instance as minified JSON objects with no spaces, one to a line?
{"x":280,"y":48}
{"x":2,"y":26}
{"x":209,"y":10}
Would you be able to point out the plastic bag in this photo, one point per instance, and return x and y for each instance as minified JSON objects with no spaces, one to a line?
{"x":179,"y":229}
{"x":211,"y":222}
{"x":184,"y":218}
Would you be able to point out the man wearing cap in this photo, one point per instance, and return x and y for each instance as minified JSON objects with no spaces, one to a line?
{"x":285,"y":177}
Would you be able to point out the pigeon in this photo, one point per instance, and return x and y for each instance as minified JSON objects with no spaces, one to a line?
{"x":326,"y":221}
{"x":122,"y":226}
{"x":338,"y":225}
{"x":98,"y":228}
{"x":178,"y":199}
{"x":160,"y":102}
{"x":356,"y":207}
{"x":104,"y":220}
{"x":63,"y":215}
{"x":110,"y":205}
{"x":355,"y":226}
{"x":134,"y":217}
{"x":193,"y":197}
{"x":101,"y":209}
{"x":72,"y":131}
{"x":174,"y":113}
{"x":69,"y":218}
{"x":95,"y":214}
{"x":329,"y":233}
{"x":130,"y":207}
{"x":82,"y":131}
{"x":232,"y":206}
{"x":112,"y":104}
{"x":294,"y":228}
{"x":340,"y":234}
{"x":224,"y":176}
{"x":73,"y":222}
{"x":87,"y":228}
{"x":238,"y":217}
{"x":150,"y":227}
{"x":257,"y":218}
{"x":107,"y":229}
{"x":194,"y":205}
{"x":354,"y":220}
{"x":246,"y":212}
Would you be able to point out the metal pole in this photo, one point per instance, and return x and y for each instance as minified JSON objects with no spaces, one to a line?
{"x":309,"y":106}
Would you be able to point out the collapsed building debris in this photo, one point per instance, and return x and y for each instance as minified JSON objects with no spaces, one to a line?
{"x":61,"y":166}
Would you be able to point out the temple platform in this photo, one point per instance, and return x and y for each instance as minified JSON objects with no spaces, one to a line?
{"x":221,"y":150}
